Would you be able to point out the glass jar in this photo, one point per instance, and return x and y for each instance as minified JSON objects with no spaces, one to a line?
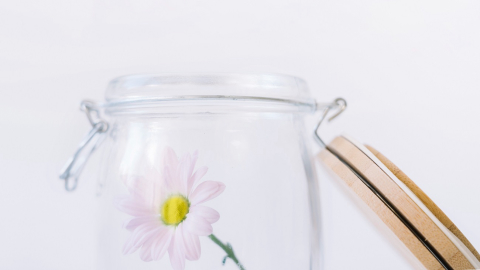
{"x":205,"y":172}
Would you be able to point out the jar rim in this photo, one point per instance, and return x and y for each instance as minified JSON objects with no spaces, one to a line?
{"x":144,"y":90}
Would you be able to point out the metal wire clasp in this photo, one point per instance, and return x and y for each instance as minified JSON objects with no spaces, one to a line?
{"x":340,"y":104}
{"x":87,"y":146}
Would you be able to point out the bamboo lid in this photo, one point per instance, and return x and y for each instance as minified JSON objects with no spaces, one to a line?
{"x":411,"y":215}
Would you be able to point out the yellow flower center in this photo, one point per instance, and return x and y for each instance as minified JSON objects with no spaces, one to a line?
{"x":174,"y":209}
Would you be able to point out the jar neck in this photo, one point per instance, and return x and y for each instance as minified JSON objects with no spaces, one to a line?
{"x":209,"y":104}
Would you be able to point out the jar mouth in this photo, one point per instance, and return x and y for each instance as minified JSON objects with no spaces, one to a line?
{"x":265,"y":92}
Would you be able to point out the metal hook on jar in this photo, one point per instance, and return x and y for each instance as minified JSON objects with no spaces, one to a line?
{"x":77,"y":162}
{"x":340,"y":104}
{"x":91,"y":110}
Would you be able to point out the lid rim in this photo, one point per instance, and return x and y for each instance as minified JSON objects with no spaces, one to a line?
{"x":202,"y":86}
{"x":307,"y":105}
{"x":299,"y":102}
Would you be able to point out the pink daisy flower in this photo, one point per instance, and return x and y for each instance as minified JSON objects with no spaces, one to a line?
{"x":167,"y":211}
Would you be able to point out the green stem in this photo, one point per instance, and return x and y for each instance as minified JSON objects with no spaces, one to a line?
{"x":228,"y":249}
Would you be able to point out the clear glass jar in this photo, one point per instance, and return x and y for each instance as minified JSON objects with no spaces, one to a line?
{"x":160,"y":208}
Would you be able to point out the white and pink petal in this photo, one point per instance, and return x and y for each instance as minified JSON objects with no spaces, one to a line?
{"x":195,"y":178}
{"x":206,"y":191}
{"x":208,"y":213}
{"x":132,"y":207}
{"x":141,"y":234}
{"x":198,"y":225}
{"x":170,"y":158}
{"x":133,"y":223}
{"x":193,"y":161}
{"x":161,"y":244}
{"x":146,"y":250}
{"x":191,"y":245}
{"x":176,"y":250}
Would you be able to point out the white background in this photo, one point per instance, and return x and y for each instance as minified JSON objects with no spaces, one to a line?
{"x":410,"y":71}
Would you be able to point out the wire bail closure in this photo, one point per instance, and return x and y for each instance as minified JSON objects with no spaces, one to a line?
{"x":76,"y":163}
{"x":340,"y":104}
{"x":92,"y":140}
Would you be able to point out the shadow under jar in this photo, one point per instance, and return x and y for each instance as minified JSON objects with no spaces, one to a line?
{"x":208,"y":172}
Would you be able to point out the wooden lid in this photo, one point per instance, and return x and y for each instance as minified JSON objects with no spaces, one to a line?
{"x":429,"y":234}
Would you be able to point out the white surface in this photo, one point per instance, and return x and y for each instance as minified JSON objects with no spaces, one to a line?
{"x":409,"y":70}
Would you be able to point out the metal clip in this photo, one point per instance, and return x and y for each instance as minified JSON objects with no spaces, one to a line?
{"x":338,"y":103}
{"x":77,"y":162}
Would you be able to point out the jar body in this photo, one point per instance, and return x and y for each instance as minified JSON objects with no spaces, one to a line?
{"x":267,"y":211}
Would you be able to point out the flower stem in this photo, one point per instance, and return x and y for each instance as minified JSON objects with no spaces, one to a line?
{"x":228,"y":249}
